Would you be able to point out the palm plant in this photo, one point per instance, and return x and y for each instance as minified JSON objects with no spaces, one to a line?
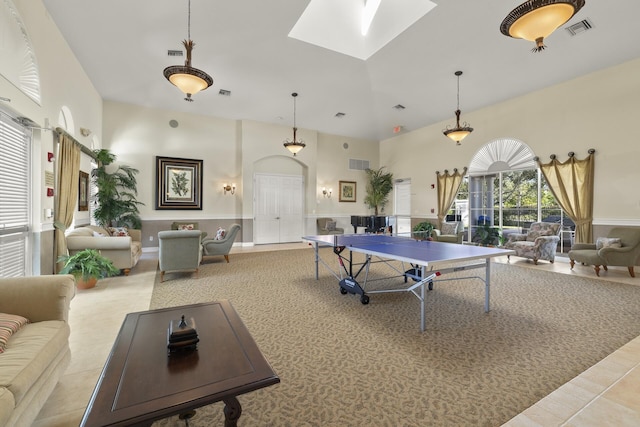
{"x":379,"y":185}
{"x":117,"y":190}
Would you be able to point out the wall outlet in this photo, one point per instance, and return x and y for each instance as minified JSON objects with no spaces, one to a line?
{"x":151,"y":238}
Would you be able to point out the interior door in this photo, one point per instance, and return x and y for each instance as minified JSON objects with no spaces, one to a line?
{"x":279,"y":208}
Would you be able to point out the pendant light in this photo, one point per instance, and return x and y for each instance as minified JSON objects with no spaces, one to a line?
{"x":294,"y":146}
{"x":534,"y":20}
{"x":186,"y":78}
{"x":458,"y":133}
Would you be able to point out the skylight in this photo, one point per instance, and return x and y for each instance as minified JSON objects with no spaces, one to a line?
{"x":338,"y":25}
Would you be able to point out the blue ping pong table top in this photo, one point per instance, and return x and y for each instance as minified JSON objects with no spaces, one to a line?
{"x":406,"y":249}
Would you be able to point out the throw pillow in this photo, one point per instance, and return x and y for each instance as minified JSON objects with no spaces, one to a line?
{"x":186,"y":227}
{"x":9,"y":324}
{"x":220,"y":233}
{"x":331,"y":225}
{"x":96,"y":234}
{"x":118,"y":231}
{"x":449,"y":228}
{"x":608,"y":242}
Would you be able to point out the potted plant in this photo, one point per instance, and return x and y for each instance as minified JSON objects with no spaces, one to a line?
{"x":87,"y":266}
{"x":423,"y":230}
{"x":486,"y":235}
{"x":116,"y":204}
{"x":379,"y":185}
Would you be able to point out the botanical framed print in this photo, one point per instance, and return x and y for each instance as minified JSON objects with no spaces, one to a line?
{"x":347,"y":191}
{"x":178,"y":183}
{"x":83,"y":192}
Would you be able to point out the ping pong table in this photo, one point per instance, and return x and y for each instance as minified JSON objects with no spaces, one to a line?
{"x":422,"y":256}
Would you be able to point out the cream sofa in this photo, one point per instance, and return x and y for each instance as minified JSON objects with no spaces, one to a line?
{"x":123,"y":251}
{"x":37,"y":354}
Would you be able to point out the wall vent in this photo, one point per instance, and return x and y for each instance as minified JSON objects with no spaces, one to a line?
{"x":174,"y":53}
{"x":580,"y":27}
{"x":358,"y":165}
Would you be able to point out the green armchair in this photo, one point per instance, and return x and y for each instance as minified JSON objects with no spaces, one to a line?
{"x":179,"y":250}
{"x":212,"y":247}
{"x":449,"y":232}
{"x":620,"y":248}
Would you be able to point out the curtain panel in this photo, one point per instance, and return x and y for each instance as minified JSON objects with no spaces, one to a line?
{"x":571,"y":182}
{"x":448,"y":186}
{"x":68,"y":173}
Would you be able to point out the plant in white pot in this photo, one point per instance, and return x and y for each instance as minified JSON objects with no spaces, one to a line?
{"x":87,"y":266}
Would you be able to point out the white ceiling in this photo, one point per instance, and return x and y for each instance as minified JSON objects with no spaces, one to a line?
{"x":244,"y":46}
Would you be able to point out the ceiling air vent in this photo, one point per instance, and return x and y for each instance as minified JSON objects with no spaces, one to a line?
{"x":340,"y":115}
{"x":174,"y":53}
{"x":399,"y":107}
{"x":358,"y":165}
{"x":224,"y":92}
{"x":579,"y":27}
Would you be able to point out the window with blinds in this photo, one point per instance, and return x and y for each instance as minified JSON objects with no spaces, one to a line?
{"x":15,"y":141}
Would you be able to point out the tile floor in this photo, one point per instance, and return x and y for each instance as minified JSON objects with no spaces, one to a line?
{"x":606,"y":394}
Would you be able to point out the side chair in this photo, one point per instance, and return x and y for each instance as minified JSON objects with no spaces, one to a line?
{"x":620,"y":248}
{"x":212,"y":247}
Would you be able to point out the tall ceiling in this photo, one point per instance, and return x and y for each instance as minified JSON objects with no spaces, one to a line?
{"x":244,"y":45}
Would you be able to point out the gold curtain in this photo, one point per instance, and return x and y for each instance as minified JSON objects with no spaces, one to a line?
{"x":448,"y":186}
{"x":571,"y":182}
{"x":68,"y":159}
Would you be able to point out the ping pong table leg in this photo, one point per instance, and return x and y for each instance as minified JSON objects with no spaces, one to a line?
{"x":317,"y":259}
{"x":422,"y":298}
{"x":487,"y":285}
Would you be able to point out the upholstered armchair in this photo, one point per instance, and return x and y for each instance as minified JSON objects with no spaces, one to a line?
{"x":180,"y":250}
{"x":620,"y":248}
{"x":541,"y":242}
{"x":449,"y":232}
{"x":212,"y":247}
{"x":328,"y":226}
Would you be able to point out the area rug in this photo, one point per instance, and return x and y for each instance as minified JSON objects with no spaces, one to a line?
{"x":342,"y":363}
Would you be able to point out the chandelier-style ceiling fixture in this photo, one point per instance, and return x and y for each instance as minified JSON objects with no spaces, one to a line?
{"x":534,"y":20}
{"x":458,"y":133}
{"x":186,"y":78}
{"x":294,"y":146}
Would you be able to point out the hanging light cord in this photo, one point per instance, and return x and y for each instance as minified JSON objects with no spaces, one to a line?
{"x":189,"y":22}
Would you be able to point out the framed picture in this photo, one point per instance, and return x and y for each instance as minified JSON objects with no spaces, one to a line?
{"x":347,"y":191}
{"x":178,"y":183}
{"x":83,"y":192}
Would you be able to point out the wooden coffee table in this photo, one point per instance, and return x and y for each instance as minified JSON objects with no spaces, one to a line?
{"x":141,"y":383}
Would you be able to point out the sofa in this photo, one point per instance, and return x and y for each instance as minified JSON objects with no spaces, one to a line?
{"x":540,"y":242}
{"x":123,"y":250}
{"x":449,"y":232}
{"x":37,"y":354}
{"x":328,"y":226}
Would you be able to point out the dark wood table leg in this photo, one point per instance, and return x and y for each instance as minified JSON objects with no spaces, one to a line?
{"x":232,"y":412}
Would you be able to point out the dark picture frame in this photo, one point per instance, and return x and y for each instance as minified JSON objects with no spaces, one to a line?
{"x":83,"y":191}
{"x":347,"y":191}
{"x":178,"y":183}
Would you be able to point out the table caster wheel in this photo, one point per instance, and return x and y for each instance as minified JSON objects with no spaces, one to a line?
{"x":364,"y":299}
{"x":343,"y":291}
{"x":430,"y":287}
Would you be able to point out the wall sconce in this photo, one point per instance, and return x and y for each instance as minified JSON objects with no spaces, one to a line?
{"x":327,"y":193}
{"x":229,"y":188}
{"x":50,"y":156}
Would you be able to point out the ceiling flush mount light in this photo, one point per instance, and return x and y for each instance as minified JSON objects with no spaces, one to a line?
{"x":294,"y":146}
{"x":534,"y":20}
{"x":186,"y":78}
{"x":458,"y":133}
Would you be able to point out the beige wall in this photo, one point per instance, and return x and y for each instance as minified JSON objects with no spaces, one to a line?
{"x":592,"y":111}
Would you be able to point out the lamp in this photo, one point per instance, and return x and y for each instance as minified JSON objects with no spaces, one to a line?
{"x":294,"y":146}
{"x":534,"y":20}
{"x":458,"y":133}
{"x":186,"y":78}
{"x":327,"y":193}
{"x":229,"y":188}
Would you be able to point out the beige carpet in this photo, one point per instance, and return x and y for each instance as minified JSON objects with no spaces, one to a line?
{"x":345,"y":364}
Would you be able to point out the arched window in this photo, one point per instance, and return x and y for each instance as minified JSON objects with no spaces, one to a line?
{"x":505,"y":189}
